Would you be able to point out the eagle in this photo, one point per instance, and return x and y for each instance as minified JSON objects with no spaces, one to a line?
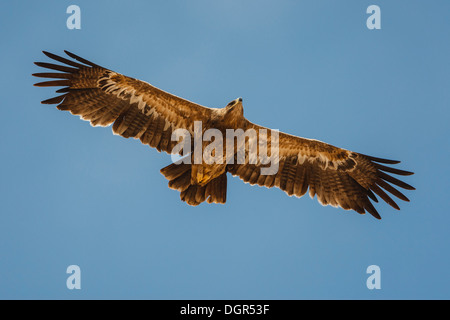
{"x":136,"y":109}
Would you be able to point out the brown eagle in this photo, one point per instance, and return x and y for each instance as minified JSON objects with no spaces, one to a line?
{"x":136,"y":109}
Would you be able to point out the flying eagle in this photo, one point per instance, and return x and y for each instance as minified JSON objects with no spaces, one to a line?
{"x":136,"y":109}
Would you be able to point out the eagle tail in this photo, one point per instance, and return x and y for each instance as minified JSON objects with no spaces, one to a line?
{"x":179,"y":176}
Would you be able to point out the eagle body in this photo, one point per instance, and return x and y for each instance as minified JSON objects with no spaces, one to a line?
{"x":230,"y":117}
{"x":136,"y":109}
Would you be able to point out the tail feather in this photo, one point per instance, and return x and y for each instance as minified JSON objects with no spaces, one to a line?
{"x":174,"y":170}
{"x":179,"y":176}
{"x":217,"y":189}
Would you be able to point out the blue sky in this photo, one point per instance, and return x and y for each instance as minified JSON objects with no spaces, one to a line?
{"x":76,"y":195}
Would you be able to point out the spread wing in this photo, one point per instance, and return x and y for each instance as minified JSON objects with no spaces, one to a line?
{"x":338,"y":177}
{"x":104,"y":97}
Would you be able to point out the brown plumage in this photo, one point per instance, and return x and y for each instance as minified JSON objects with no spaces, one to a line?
{"x":136,"y":109}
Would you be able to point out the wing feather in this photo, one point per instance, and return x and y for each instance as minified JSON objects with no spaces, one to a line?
{"x":338,"y":177}
{"x":135,"y":108}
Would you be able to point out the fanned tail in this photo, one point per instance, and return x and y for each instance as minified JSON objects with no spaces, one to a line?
{"x":179,"y":176}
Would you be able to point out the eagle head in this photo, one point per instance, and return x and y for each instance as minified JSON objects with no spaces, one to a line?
{"x":234,"y":110}
{"x":235,"y":103}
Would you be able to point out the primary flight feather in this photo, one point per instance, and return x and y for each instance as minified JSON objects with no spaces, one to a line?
{"x":136,"y":109}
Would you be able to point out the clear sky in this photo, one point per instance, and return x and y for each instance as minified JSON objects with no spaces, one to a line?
{"x":72,"y":194}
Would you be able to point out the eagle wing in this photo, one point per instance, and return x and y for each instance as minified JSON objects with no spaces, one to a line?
{"x":338,"y":177}
{"x":104,"y":97}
